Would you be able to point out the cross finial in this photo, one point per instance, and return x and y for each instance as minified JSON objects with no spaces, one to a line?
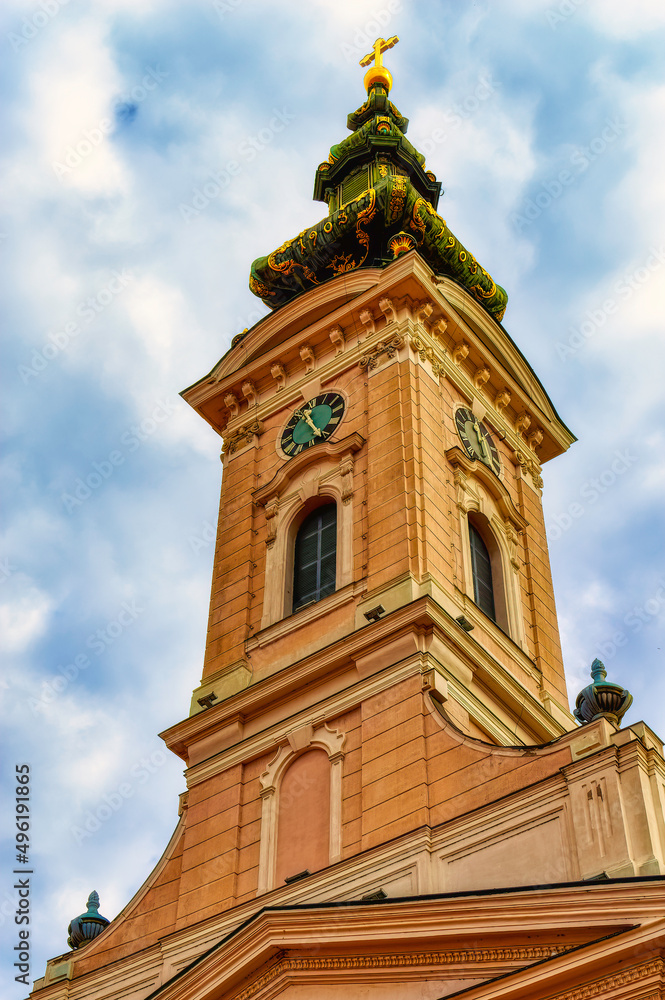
{"x":378,"y":72}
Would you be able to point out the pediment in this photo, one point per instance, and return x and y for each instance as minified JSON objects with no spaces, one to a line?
{"x":333,"y":450}
{"x":535,"y":941}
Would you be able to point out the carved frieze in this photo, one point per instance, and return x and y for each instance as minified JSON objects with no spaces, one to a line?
{"x":283,"y":966}
{"x":387,"y":347}
{"x":243,"y":436}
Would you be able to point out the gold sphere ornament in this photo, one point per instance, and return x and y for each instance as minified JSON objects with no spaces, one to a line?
{"x":378,"y":73}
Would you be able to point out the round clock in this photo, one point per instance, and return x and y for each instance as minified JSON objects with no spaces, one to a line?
{"x":477,"y":440}
{"x":313,"y":422}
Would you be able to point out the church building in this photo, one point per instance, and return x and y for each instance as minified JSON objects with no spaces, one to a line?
{"x":387,"y":796}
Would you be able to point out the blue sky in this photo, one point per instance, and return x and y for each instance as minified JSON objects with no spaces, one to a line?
{"x":544,"y":123}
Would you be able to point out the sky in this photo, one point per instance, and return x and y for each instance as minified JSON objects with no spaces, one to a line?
{"x":127,"y":242}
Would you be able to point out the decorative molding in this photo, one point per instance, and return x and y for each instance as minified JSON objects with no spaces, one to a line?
{"x":278,"y":372}
{"x":460,"y":352}
{"x":232,"y":403}
{"x":242,"y":437}
{"x":535,"y":439}
{"x":250,"y":393}
{"x":522,"y":422}
{"x":346,"y":471}
{"x":271,"y":509}
{"x":387,"y":307}
{"x":463,"y":467}
{"x":481,"y":376}
{"x":531,"y":466}
{"x":284,"y":965}
{"x":502,"y":399}
{"x":426,"y":353}
{"x":322,"y":473}
{"x":494,"y":503}
{"x":401,"y":242}
{"x":389,"y":347}
{"x":602,"y":987}
{"x":367,"y":320}
{"x":308,"y":356}
{"x":330,"y":449}
{"x":336,"y":335}
{"x":439,"y":327}
{"x":422,"y":310}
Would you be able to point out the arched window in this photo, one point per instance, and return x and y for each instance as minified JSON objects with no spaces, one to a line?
{"x":315,"y":559}
{"x":483,"y":588}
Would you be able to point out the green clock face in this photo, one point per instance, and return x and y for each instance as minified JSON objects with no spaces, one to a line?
{"x":477,"y":440}
{"x":315,"y":421}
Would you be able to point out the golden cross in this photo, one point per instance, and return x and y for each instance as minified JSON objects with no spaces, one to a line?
{"x":380,"y":46}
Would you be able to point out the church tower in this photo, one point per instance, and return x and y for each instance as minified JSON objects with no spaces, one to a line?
{"x":386,"y":792}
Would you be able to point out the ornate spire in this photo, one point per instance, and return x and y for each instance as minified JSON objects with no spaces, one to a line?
{"x":381,"y":203}
{"x":602,"y":699}
{"x":88,"y":925}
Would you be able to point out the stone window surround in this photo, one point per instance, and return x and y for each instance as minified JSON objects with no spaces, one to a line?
{"x":315,"y":477}
{"x":299,"y":742}
{"x":483,"y":499}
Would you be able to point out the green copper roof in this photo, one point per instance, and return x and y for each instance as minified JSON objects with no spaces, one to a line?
{"x":382,"y":203}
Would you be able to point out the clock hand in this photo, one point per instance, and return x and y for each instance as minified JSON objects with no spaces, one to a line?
{"x":306,"y":415}
{"x":481,"y":441}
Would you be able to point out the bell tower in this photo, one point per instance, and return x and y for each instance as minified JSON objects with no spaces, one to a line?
{"x":385,"y":787}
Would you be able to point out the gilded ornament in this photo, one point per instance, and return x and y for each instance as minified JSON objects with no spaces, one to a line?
{"x":378,"y":72}
{"x":401,"y":243}
{"x":238,"y":337}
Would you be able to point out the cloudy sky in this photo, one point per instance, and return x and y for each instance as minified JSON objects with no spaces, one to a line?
{"x":124,"y":282}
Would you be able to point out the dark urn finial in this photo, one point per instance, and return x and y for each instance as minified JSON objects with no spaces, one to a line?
{"x":88,"y":925}
{"x":602,"y":699}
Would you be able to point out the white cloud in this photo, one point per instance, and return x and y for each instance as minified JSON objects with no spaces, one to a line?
{"x":70,"y":120}
{"x":24,"y":620}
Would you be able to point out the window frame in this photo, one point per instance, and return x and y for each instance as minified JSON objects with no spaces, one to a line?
{"x":482,"y":526}
{"x":321,"y":475}
{"x":478,"y":547}
{"x":328,"y":503}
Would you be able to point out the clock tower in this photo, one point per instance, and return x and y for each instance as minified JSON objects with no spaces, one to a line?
{"x":386,"y":791}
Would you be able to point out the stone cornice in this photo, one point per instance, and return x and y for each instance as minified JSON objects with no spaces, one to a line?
{"x":430,"y":961}
{"x":598,"y":924}
{"x":338,"y":657}
{"x":227,"y":944}
{"x":339,"y":303}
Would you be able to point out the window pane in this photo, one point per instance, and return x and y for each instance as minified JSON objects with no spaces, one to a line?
{"x":315,"y":557}
{"x":483,"y":591}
